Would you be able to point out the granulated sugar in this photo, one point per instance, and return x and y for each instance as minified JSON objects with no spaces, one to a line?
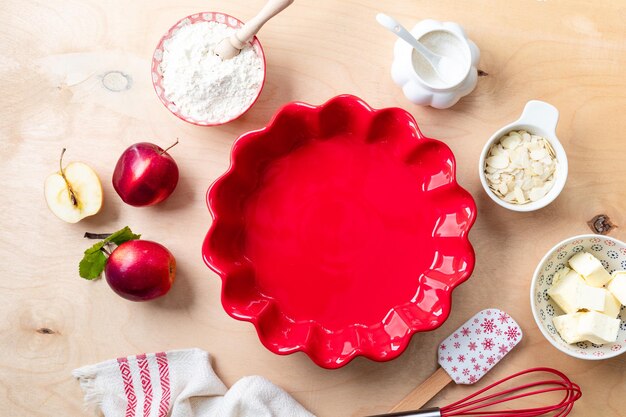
{"x":199,"y":83}
{"x":445,"y":44}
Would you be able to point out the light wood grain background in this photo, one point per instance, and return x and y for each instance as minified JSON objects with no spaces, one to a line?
{"x":53,"y":55}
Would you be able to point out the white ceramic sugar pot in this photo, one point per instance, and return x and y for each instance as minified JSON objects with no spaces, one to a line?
{"x":415,"y":75}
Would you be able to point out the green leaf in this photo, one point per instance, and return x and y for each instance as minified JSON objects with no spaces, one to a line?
{"x":121,"y":236}
{"x":95,"y":248}
{"x":94,"y":261}
{"x":92,"y":265}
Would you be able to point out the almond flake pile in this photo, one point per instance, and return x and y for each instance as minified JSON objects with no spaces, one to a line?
{"x":520,"y":167}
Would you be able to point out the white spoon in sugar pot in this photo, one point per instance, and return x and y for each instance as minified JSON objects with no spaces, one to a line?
{"x":449,"y":70}
{"x":231,"y":46}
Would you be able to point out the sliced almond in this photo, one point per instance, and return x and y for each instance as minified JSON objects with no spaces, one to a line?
{"x":510,"y":185}
{"x":539,"y":154}
{"x":519,"y":195}
{"x":550,"y":149}
{"x":527,"y":184}
{"x":548,"y":185}
{"x":521,"y":167}
{"x":498,"y":161}
{"x":498,"y":150}
{"x":544,"y":177}
{"x":510,"y":197}
{"x":536,"y":193}
{"x":511,"y":141}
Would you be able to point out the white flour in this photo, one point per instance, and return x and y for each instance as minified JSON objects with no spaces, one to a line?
{"x":202,"y":85}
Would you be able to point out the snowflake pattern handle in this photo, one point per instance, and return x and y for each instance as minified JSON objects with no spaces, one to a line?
{"x":474,"y":348}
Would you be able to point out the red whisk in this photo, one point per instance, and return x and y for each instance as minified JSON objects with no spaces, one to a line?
{"x":479,"y":403}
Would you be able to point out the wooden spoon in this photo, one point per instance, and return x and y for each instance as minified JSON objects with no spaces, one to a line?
{"x":231,"y":46}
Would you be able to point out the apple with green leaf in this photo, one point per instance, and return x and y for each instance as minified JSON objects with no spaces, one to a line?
{"x":138,"y":270}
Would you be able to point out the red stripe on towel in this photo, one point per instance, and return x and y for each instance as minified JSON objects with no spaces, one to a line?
{"x":164,"y":376}
{"x":127,"y":378}
{"x":146,"y":383}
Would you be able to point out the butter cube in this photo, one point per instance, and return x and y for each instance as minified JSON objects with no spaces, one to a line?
{"x":591,"y":298}
{"x":571,"y":293}
{"x":612,"y":306}
{"x":564,"y":289}
{"x":617,"y":286}
{"x":559,"y":275}
{"x":595,"y":327}
{"x":567,"y":326}
{"x":590,"y":268}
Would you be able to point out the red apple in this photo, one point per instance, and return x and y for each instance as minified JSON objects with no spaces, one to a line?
{"x":145,"y":174}
{"x":140,"y":270}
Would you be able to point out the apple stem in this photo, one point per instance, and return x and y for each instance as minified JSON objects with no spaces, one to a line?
{"x":170,"y":147}
{"x":69,"y":187}
{"x":99,"y":236}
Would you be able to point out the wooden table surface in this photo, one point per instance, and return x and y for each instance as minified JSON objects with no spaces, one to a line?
{"x":53,"y":55}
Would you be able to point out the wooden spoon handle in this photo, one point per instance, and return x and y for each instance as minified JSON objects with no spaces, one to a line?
{"x":424,"y":392}
{"x":250,"y":28}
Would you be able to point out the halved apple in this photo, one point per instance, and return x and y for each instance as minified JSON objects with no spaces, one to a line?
{"x":74,"y":192}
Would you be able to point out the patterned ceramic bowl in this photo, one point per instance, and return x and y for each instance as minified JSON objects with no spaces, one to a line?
{"x":157,"y":57}
{"x":612,"y":253}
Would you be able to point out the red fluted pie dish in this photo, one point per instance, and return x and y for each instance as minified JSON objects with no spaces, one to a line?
{"x":339,"y":230}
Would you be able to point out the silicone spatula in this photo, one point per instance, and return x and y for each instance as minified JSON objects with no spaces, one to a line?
{"x":467,"y":355}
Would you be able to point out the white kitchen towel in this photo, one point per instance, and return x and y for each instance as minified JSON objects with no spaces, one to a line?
{"x":179,"y":383}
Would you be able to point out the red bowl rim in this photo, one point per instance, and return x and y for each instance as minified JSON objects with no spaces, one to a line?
{"x":340,"y":361}
{"x":155,"y":64}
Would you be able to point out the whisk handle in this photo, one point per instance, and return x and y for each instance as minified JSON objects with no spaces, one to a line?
{"x":425,"y":412}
